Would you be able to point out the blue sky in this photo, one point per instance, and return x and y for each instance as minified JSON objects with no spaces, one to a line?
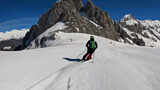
{"x":16,"y":14}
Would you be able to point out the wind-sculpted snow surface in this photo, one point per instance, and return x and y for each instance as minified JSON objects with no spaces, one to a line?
{"x":116,"y":67}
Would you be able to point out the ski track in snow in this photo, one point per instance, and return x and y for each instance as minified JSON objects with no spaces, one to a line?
{"x":54,"y":78}
{"x":61,"y":74}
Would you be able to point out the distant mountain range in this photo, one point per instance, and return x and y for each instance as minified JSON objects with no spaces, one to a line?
{"x":13,"y":34}
{"x":87,"y":18}
{"x":12,"y":39}
{"x":147,"y":31}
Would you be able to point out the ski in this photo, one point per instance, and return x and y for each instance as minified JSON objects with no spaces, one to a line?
{"x":85,"y":61}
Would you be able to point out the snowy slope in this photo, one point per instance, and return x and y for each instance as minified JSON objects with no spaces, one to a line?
{"x":14,"y":34}
{"x":116,"y":67}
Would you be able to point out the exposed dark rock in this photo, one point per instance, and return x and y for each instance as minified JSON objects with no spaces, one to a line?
{"x":137,"y":27}
{"x":97,"y":15}
{"x":10,"y":45}
{"x":146,"y":30}
{"x":139,"y":42}
{"x":35,"y":31}
{"x":123,"y":35}
{"x":101,"y":18}
{"x":61,"y":11}
{"x":42,"y":42}
{"x":69,"y":12}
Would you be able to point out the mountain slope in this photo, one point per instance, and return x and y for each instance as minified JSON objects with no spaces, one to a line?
{"x":141,"y":32}
{"x":89,"y":19}
{"x":135,"y":68}
{"x":79,"y":17}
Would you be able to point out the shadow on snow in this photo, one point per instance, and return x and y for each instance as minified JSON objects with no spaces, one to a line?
{"x":71,"y":59}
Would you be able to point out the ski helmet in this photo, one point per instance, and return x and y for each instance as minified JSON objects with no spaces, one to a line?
{"x":92,"y":38}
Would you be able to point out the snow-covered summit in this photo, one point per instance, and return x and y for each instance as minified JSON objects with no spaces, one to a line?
{"x":150,"y":23}
{"x":13,"y":34}
{"x":127,"y":17}
{"x":129,"y":20}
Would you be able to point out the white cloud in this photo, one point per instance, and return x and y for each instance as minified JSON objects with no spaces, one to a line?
{"x":14,"y":34}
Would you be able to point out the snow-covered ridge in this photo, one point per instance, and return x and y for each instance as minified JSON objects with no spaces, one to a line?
{"x":150,"y":23}
{"x":57,"y":26}
{"x":130,"y":20}
{"x":14,"y":34}
{"x":151,"y":41}
{"x":147,"y":30}
{"x":99,"y":26}
{"x":47,"y":34}
{"x":127,"y":17}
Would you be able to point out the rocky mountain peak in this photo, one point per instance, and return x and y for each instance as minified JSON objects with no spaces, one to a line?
{"x":88,"y":19}
{"x":61,"y":11}
{"x":90,"y":4}
{"x":97,"y":15}
{"x":78,"y":4}
{"x":70,"y":13}
{"x":129,"y":20}
{"x":127,"y":17}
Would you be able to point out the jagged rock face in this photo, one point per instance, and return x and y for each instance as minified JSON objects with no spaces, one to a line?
{"x":101,"y":18}
{"x":132,"y":24}
{"x":61,"y":11}
{"x":98,"y":16}
{"x":69,"y":12}
{"x":140,"y":32}
{"x":123,"y":35}
{"x":35,"y":31}
{"x":92,"y":20}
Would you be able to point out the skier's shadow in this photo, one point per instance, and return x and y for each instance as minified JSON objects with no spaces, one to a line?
{"x":71,"y":59}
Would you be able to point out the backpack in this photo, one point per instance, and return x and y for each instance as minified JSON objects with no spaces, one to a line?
{"x":92,"y":44}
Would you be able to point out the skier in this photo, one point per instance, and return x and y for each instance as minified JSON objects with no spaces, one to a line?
{"x":91,"y":47}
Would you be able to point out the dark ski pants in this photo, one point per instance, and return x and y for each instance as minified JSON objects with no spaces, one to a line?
{"x":88,"y":54}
